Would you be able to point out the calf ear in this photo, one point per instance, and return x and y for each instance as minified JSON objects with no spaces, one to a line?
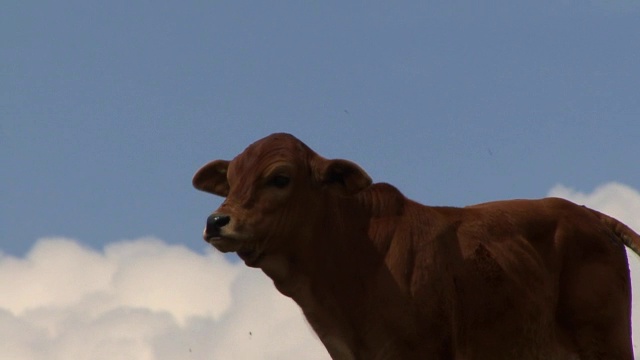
{"x":212,"y":178}
{"x":349,"y":176}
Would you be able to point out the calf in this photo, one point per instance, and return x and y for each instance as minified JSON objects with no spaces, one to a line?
{"x":379,"y":276}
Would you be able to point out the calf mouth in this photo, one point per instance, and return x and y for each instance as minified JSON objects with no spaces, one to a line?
{"x":224,"y":244}
{"x":249,"y":255}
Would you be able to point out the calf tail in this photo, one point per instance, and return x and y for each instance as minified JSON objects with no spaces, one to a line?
{"x":629,"y":237}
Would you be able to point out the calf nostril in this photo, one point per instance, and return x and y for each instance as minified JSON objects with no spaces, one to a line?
{"x":215,"y":222}
{"x":221,"y":220}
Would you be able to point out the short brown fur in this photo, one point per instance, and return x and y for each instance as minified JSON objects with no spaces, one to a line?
{"x":379,"y":276}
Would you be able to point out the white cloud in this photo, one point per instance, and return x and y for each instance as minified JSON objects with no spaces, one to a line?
{"x":144,"y":299}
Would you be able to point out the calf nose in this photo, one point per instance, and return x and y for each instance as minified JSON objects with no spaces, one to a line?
{"x":214,"y":223}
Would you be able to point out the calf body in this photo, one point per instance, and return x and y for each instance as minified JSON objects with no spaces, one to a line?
{"x":379,"y":276}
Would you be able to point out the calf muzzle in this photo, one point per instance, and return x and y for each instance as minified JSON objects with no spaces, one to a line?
{"x":215,"y":222}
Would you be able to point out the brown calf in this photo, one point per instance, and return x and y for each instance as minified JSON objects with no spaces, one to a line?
{"x":379,"y":276}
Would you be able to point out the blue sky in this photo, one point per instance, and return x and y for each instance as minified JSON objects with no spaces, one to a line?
{"x":107,"y":109}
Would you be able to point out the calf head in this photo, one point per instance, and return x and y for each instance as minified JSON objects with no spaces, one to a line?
{"x":275,"y":190}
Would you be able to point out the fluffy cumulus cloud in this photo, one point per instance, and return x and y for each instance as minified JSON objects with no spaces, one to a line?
{"x":144,"y":299}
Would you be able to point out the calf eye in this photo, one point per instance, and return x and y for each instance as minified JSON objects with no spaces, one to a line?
{"x":279,"y":181}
